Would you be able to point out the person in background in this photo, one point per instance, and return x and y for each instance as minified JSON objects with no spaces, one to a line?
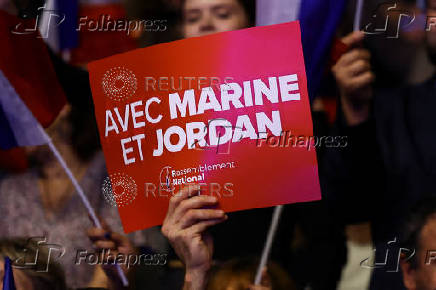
{"x":240,"y":273}
{"x":419,"y":238}
{"x":35,"y":267}
{"x":41,"y":201}
{"x":203,"y":17}
{"x":388,"y":166}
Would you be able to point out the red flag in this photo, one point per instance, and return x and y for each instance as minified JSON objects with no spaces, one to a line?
{"x":26,"y":63}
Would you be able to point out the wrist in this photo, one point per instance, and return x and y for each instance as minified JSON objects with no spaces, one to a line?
{"x":356,"y":111}
{"x":196,"y":278}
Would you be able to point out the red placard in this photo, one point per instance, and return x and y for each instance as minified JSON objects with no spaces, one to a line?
{"x":229,"y":111}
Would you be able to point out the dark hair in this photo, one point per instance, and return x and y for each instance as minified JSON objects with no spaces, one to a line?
{"x":171,"y":13}
{"x":240,"y":272}
{"x":418,"y":218}
{"x":248,"y":5}
{"x":250,"y":9}
{"x":28,"y":8}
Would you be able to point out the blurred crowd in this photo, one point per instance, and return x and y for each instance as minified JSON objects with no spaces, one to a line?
{"x":378,"y":90}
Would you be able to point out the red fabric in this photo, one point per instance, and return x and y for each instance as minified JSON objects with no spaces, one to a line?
{"x":27,"y":65}
{"x":338,"y":49}
{"x":330,"y":107}
{"x":13,"y":160}
{"x":330,"y":102}
{"x":94,"y":45}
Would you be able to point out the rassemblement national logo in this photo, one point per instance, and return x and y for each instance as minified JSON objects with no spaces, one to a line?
{"x":119,"y":83}
{"x":119,"y":189}
{"x":165,"y":180}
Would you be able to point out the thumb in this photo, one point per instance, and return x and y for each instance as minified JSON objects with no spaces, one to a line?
{"x":353,"y":38}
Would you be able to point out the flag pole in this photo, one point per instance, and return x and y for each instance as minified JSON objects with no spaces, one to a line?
{"x":82,"y":195}
{"x":269,"y":240}
{"x":358,"y":15}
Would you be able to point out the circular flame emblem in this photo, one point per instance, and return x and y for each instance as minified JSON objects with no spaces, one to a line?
{"x":119,"y":83}
{"x":119,"y":189}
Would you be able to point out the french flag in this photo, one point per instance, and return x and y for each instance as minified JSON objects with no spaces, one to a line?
{"x":30,"y":93}
{"x":8,"y":278}
{"x":18,"y":126}
{"x":58,"y":24}
{"x":319,"y":20}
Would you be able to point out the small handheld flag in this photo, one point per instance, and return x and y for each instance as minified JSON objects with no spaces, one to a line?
{"x":27,"y":131}
{"x":8,"y":279}
{"x":319,"y":20}
{"x":358,"y":15}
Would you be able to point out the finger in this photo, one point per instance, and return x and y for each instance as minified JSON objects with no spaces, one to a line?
{"x":183,"y":194}
{"x":105,"y":245}
{"x":353,"y":38}
{"x":359,"y":67}
{"x":195,"y":202}
{"x":362,"y":80}
{"x":96,"y":234}
{"x":354,"y":55}
{"x":203,"y":225}
{"x":119,"y":239}
{"x":195,"y":215}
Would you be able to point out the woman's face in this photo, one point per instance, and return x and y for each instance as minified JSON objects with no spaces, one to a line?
{"x":202,"y":17}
